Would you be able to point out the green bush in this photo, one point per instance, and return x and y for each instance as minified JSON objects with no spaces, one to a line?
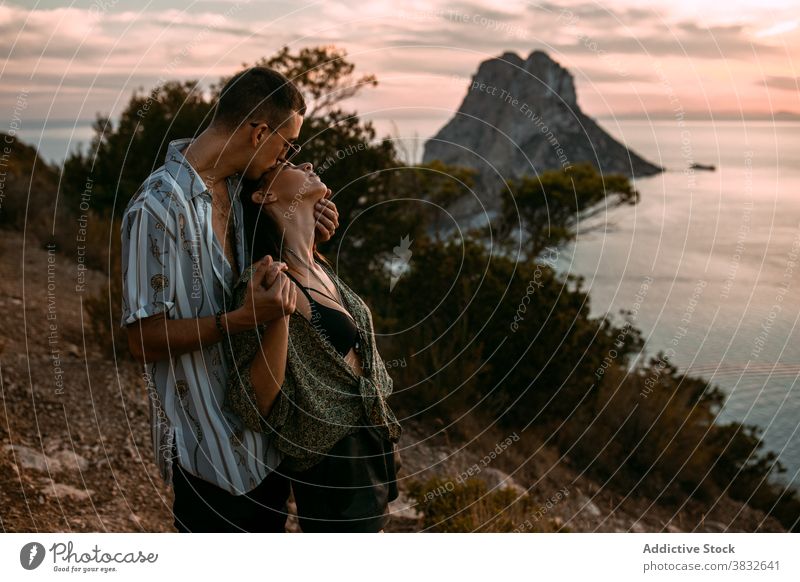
{"x":123,"y":154}
{"x":652,"y":432}
{"x":448,"y":506}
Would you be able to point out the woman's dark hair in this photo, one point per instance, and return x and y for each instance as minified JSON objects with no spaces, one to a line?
{"x":263,"y":235}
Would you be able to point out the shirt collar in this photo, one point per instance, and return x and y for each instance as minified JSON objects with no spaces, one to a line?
{"x":186,"y":176}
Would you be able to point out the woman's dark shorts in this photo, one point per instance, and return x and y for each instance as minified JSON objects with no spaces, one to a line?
{"x":350,"y":489}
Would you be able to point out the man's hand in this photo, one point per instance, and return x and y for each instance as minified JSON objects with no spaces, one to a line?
{"x":270,"y":295}
{"x":327,"y":218}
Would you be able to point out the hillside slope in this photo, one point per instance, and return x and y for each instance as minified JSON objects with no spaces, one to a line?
{"x":75,"y":449}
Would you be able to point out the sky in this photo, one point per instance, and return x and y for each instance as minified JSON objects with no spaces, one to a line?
{"x":68,"y":61}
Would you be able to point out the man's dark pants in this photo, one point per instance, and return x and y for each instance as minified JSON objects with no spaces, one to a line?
{"x":200,"y":506}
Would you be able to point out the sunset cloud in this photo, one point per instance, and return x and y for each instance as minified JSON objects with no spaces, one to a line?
{"x":76,"y":61}
{"x":787,"y":83}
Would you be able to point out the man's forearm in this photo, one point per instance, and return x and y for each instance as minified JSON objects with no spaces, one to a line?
{"x":158,"y":338}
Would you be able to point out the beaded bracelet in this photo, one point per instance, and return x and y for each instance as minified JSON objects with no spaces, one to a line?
{"x":218,"y":319}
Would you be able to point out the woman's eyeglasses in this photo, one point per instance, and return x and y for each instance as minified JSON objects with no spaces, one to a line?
{"x":292,"y":149}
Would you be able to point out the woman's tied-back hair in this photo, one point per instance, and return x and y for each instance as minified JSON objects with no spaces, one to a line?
{"x":258,"y":94}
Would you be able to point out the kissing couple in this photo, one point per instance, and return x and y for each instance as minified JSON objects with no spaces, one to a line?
{"x":263,"y":374}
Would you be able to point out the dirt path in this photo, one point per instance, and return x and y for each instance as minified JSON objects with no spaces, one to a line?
{"x":78,"y":422}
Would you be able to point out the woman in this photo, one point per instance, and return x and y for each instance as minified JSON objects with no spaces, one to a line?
{"x":317,"y":381}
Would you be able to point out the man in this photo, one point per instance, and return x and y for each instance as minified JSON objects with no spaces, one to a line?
{"x":183,"y":249}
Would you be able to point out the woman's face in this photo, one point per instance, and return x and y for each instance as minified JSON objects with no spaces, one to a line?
{"x":288,"y":183}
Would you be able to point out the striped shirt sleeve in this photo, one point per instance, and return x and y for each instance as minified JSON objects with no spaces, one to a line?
{"x":149,"y":256}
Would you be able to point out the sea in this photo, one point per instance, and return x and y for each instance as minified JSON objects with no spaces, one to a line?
{"x":708,"y":262}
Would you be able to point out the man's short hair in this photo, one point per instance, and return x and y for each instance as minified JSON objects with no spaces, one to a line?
{"x":258,"y":94}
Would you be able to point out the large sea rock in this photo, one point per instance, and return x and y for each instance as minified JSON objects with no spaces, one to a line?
{"x":521,"y":117}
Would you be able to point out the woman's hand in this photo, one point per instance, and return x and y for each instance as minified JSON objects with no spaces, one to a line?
{"x":270,"y":295}
{"x":327,"y":218}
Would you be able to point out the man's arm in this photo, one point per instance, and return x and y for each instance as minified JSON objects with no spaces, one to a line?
{"x":151,"y":279}
{"x":157,"y":337}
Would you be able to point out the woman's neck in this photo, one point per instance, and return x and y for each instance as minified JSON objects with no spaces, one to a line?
{"x":298,"y":226}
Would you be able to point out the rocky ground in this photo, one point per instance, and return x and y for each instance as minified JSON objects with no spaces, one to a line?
{"x":75,"y":449}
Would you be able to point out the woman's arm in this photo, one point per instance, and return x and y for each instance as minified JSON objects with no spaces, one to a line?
{"x":258,"y":358}
{"x":268,"y":369}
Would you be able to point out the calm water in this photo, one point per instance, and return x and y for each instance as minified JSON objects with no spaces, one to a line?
{"x":56,"y":138}
{"x":723,"y":251}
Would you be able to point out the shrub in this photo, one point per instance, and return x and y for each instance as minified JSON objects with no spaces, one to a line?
{"x":467,"y":506}
{"x":653,"y":432}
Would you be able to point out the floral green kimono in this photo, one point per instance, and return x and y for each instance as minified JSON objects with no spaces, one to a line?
{"x":322,"y":399}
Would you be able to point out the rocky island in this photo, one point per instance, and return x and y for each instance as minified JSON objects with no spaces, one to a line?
{"x":521,"y":117}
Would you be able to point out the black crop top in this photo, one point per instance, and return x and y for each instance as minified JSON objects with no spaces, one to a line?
{"x":334,"y":325}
